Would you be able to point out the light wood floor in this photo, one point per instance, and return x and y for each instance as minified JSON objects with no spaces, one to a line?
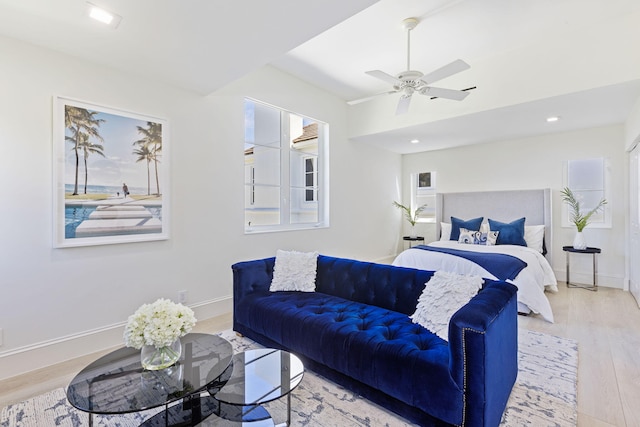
{"x":606,"y":325}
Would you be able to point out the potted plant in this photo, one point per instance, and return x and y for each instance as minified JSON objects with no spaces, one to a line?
{"x":579,"y":219}
{"x":412,"y":218}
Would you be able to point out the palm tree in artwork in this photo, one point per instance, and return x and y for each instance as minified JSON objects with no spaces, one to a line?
{"x":144,"y":154}
{"x":151,"y":146}
{"x":80,"y":121}
{"x":89,"y":147}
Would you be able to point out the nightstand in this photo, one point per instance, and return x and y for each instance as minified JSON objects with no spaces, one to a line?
{"x":418,"y":240}
{"x":593,"y":252}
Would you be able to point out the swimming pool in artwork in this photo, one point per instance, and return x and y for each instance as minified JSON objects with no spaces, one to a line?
{"x":74,"y":215}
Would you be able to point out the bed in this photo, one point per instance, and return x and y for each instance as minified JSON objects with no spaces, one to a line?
{"x":506,"y":210}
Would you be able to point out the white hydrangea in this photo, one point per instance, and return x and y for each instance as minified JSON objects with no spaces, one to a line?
{"x":158,"y":324}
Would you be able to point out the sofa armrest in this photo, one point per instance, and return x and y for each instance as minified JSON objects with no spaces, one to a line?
{"x":252,"y":276}
{"x":483,"y":341}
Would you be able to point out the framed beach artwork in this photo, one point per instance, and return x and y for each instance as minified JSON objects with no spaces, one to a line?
{"x":111,"y":176}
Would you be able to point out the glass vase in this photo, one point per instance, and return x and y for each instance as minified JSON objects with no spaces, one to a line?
{"x":154,"y":358}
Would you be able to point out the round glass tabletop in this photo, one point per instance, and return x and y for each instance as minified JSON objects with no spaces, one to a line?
{"x":258,"y":376}
{"x":117,"y":383}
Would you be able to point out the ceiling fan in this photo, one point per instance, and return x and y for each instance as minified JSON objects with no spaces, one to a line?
{"x":410,"y":81}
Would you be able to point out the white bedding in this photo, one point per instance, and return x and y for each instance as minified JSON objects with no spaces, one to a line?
{"x":531,"y":281}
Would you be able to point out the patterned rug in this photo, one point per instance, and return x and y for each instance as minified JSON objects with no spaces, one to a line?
{"x":544,"y":395}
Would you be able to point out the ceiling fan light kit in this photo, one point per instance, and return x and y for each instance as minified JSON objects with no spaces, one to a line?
{"x":411,"y":81}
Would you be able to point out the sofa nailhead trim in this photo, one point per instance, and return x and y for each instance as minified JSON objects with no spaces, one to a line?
{"x":464,"y":370}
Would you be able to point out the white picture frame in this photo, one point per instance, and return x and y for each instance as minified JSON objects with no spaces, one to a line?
{"x":98,"y":153}
{"x":584,"y":176}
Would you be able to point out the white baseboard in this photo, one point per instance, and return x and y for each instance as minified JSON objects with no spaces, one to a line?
{"x":587,"y":279}
{"x":46,"y":353}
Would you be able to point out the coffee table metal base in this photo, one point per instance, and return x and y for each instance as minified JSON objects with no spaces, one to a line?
{"x":255,"y":377}
{"x":204,"y":410}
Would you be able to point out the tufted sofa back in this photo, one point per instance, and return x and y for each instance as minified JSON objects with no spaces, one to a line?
{"x":385,"y":286}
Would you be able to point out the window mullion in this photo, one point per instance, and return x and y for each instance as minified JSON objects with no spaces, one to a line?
{"x":285,"y":180}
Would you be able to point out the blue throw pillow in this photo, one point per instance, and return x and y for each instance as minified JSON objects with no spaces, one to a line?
{"x":511,"y":233}
{"x":457,"y":224}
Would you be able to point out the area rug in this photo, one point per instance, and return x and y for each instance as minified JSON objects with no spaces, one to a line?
{"x":544,"y":395}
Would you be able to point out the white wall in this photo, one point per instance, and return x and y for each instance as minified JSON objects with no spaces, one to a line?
{"x":632,"y":127}
{"x":61,"y":303}
{"x":533,"y":163}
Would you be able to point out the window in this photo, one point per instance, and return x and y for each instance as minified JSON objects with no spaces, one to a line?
{"x":284,"y":175}
{"x":310,"y":179}
{"x":589,"y":181}
{"x":423,"y":192}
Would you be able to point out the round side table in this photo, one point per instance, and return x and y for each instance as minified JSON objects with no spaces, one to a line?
{"x":417,"y":240}
{"x":593,"y":252}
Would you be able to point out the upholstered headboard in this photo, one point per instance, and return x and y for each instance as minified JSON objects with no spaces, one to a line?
{"x":504,"y":206}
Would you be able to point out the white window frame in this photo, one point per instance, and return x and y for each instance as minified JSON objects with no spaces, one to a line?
{"x":321,"y":178}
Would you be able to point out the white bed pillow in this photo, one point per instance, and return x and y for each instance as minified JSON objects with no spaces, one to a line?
{"x":445,"y":231}
{"x":534,"y":236}
{"x":443,"y":295}
{"x":294,"y":271}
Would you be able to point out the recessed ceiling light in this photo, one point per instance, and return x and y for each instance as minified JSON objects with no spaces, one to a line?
{"x":102,"y":15}
{"x":553,"y":119}
{"x":415,"y":141}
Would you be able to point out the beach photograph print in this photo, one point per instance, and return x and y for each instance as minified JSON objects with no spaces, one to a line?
{"x":111,"y":175}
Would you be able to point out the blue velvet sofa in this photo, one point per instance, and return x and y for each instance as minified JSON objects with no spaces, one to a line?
{"x":355,"y":330}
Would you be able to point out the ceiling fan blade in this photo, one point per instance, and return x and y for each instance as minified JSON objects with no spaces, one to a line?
{"x":384,"y":77}
{"x":443,"y":72}
{"x":439,"y":92}
{"x":403,"y":104}
{"x":369,"y":98}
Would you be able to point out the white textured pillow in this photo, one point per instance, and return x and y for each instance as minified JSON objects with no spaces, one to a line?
{"x":534,"y":236}
{"x":445,"y":231}
{"x":294,"y":271}
{"x":442,"y":296}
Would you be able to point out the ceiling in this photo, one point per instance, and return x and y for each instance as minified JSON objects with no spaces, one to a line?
{"x":202,"y":45}
{"x":197,"y":45}
{"x":479,"y":32}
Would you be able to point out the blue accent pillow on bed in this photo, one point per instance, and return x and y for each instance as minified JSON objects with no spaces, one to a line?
{"x":457,"y":224}
{"x":511,"y":233}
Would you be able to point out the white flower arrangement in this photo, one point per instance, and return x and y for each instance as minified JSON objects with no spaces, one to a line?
{"x":158,"y":324}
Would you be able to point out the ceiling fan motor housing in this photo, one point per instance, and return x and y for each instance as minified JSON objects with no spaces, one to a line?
{"x":410,"y":79}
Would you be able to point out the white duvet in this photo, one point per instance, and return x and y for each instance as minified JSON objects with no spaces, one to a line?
{"x":531,"y":281}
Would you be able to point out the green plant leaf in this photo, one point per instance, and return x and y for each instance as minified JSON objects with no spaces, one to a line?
{"x":579,"y":219}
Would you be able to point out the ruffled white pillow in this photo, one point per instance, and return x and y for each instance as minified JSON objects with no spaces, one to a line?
{"x":294,"y":271}
{"x":443,"y":295}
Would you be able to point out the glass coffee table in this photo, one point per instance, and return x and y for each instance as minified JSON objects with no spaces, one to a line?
{"x":253,"y":378}
{"x":117,"y":384}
